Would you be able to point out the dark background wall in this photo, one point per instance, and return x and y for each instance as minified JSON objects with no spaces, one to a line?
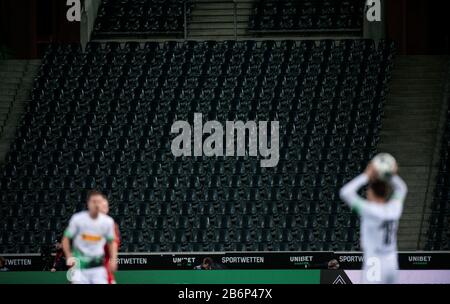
{"x":419,"y":26}
{"x":17,"y":27}
{"x":29,"y":26}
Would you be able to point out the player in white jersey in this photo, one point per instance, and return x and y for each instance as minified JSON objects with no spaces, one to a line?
{"x":89,"y":231}
{"x":380,"y":214}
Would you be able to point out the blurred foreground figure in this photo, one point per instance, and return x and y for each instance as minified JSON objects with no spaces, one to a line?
{"x":89,"y":231}
{"x":380,"y":213}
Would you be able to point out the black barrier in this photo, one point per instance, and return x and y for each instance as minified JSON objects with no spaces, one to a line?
{"x":242,"y":260}
{"x":229,"y":260}
{"x":407,"y":260}
{"x":25,"y":262}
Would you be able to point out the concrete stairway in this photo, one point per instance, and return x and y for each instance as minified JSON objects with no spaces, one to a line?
{"x":410,"y":132}
{"x":17,"y":78}
{"x":214,"y":19}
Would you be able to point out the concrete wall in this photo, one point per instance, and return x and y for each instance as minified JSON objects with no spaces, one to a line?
{"x":88,"y":16}
{"x":419,"y":27}
{"x":376,"y":29}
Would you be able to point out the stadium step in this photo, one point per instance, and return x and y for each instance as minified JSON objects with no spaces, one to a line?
{"x":416,"y":74}
{"x":17,"y":80}
{"x":410,"y":124}
{"x":215,"y":20}
{"x":6,"y":99}
{"x":8,"y":86}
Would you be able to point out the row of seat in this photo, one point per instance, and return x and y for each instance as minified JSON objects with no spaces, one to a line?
{"x":293,"y":221}
{"x":307,"y":15}
{"x":119,"y":17}
{"x":211,"y":246}
{"x":129,"y":17}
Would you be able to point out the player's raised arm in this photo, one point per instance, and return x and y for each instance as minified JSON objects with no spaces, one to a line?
{"x":399,"y":188}
{"x":349,"y":192}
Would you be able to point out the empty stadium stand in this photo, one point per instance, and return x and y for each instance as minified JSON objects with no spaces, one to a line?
{"x":308,"y":15}
{"x":102,"y":119}
{"x":145,"y":18}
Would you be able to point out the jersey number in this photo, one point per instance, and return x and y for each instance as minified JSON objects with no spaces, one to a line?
{"x":388,"y":227}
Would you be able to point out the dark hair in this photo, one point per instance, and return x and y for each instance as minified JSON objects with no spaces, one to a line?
{"x":380,"y":188}
{"x":92,"y":193}
{"x":2,"y":261}
{"x":208,"y":261}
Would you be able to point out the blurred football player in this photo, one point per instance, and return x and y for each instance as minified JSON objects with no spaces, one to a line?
{"x":84,"y":242}
{"x":380,"y":213}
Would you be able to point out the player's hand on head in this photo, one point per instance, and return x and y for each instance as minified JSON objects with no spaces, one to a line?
{"x":370,"y":171}
{"x":395,"y":171}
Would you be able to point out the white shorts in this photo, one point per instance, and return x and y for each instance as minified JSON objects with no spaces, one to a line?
{"x":380,"y":269}
{"x":96,"y":275}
